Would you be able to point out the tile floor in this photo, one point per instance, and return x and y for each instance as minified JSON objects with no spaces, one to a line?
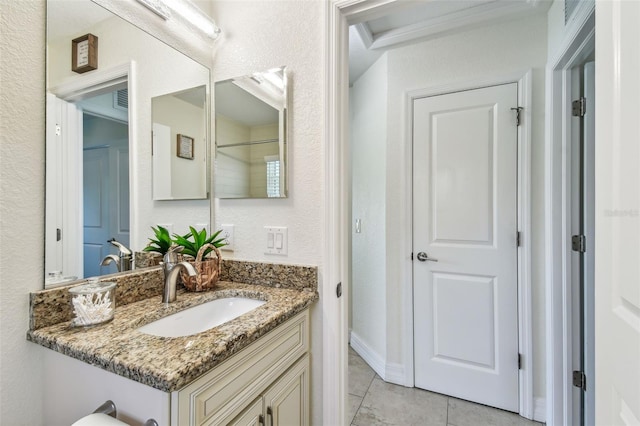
{"x":374,"y":402}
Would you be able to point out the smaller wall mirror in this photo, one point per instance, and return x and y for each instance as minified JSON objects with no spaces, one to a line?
{"x":251,"y":135}
{"x":180,"y":145}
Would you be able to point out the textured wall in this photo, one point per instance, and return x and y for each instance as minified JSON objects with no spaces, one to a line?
{"x":22,"y":30}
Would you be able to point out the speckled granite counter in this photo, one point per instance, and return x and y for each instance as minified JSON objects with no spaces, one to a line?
{"x":165,"y":363}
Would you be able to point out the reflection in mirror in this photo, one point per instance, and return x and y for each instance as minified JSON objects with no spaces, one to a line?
{"x":251,"y":135}
{"x":179,"y":145}
{"x":99,"y":153}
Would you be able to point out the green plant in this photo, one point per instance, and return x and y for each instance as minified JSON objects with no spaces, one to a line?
{"x":162,"y":242}
{"x":194,"y":240}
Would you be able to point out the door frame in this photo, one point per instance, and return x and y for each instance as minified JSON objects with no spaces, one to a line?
{"x":579,"y":42}
{"x":339,"y":14}
{"x":524,"y":80}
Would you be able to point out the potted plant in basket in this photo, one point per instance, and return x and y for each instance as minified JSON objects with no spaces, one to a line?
{"x":199,"y":249}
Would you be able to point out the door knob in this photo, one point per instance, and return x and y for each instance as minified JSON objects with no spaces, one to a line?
{"x":423,"y":257}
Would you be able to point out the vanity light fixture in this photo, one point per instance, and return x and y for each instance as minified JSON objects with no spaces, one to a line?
{"x":158,"y":7}
{"x":187,"y":11}
{"x":194,"y":16}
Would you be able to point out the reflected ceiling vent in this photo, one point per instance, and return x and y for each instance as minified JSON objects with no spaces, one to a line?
{"x":121,"y":99}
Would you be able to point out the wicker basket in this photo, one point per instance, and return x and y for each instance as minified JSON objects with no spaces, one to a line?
{"x":207,"y":271}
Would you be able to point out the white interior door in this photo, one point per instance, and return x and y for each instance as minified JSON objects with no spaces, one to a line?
{"x":617,"y":198}
{"x":465,"y":223}
{"x":63,"y":225}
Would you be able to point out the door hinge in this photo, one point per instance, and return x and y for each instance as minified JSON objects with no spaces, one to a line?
{"x":58,"y":234}
{"x":519,"y":361}
{"x":579,"y":243}
{"x":339,"y":290}
{"x":578,"y":107}
{"x":517,"y":110}
{"x":58,"y":130}
{"x":580,"y":380}
{"x":518,"y":239}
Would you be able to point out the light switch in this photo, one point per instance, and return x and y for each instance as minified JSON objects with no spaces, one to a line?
{"x":276,"y":237}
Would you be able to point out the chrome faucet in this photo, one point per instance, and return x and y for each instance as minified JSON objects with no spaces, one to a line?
{"x":122,"y":261}
{"x":124,"y":254}
{"x":171,"y":268}
{"x":111,"y":258}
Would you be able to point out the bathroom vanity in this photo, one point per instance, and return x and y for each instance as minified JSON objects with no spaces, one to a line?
{"x":253,"y":369}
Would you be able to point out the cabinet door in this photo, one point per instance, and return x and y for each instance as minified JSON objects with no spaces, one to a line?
{"x":251,"y":416}
{"x":287,"y":400}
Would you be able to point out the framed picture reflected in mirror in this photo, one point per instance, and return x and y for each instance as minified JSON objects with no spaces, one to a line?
{"x":185,"y":147}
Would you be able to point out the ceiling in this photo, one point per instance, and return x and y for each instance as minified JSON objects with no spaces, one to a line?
{"x":418,"y":20}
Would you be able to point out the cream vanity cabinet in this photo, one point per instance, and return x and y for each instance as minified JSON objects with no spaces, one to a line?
{"x":267,"y":383}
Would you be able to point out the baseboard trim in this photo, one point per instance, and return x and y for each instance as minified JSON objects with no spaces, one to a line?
{"x":371,"y":357}
{"x":395,"y":374}
{"x":539,"y":410}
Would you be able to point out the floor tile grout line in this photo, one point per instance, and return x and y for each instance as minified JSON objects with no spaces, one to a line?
{"x":362,"y":402}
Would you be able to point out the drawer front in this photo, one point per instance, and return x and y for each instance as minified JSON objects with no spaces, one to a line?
{"x":228,"y":388}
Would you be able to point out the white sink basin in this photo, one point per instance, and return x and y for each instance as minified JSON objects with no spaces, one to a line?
{"x":201,"y":318}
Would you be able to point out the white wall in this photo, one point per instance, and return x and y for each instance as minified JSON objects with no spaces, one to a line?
{"x":233,"y":164}
{"x":188,"y":177}
{"x":258,"y":153}
{"x":21,"y":205}
{"x":259,"y":35}
{"x":368,"y":132}
{"x":457,"y":59}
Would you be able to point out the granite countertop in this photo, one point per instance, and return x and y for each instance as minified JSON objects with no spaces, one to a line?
{"x":168,"y":363}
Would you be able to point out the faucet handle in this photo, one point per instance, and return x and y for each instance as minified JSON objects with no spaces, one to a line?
{"x":123,"y":249}
{"x":171,"y":256}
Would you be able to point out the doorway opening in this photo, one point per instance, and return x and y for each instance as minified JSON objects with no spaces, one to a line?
{"x":570,"y":174}
{"x":393,"y":306}
{"x":583,"y":235}
{"x":105,"y":178}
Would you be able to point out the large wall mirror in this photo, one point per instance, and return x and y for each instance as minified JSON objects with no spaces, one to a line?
{"x":251,"y":135}
{"x":104,"y":177}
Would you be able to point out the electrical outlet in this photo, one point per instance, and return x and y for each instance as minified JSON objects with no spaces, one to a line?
{"x":227,"y":233}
